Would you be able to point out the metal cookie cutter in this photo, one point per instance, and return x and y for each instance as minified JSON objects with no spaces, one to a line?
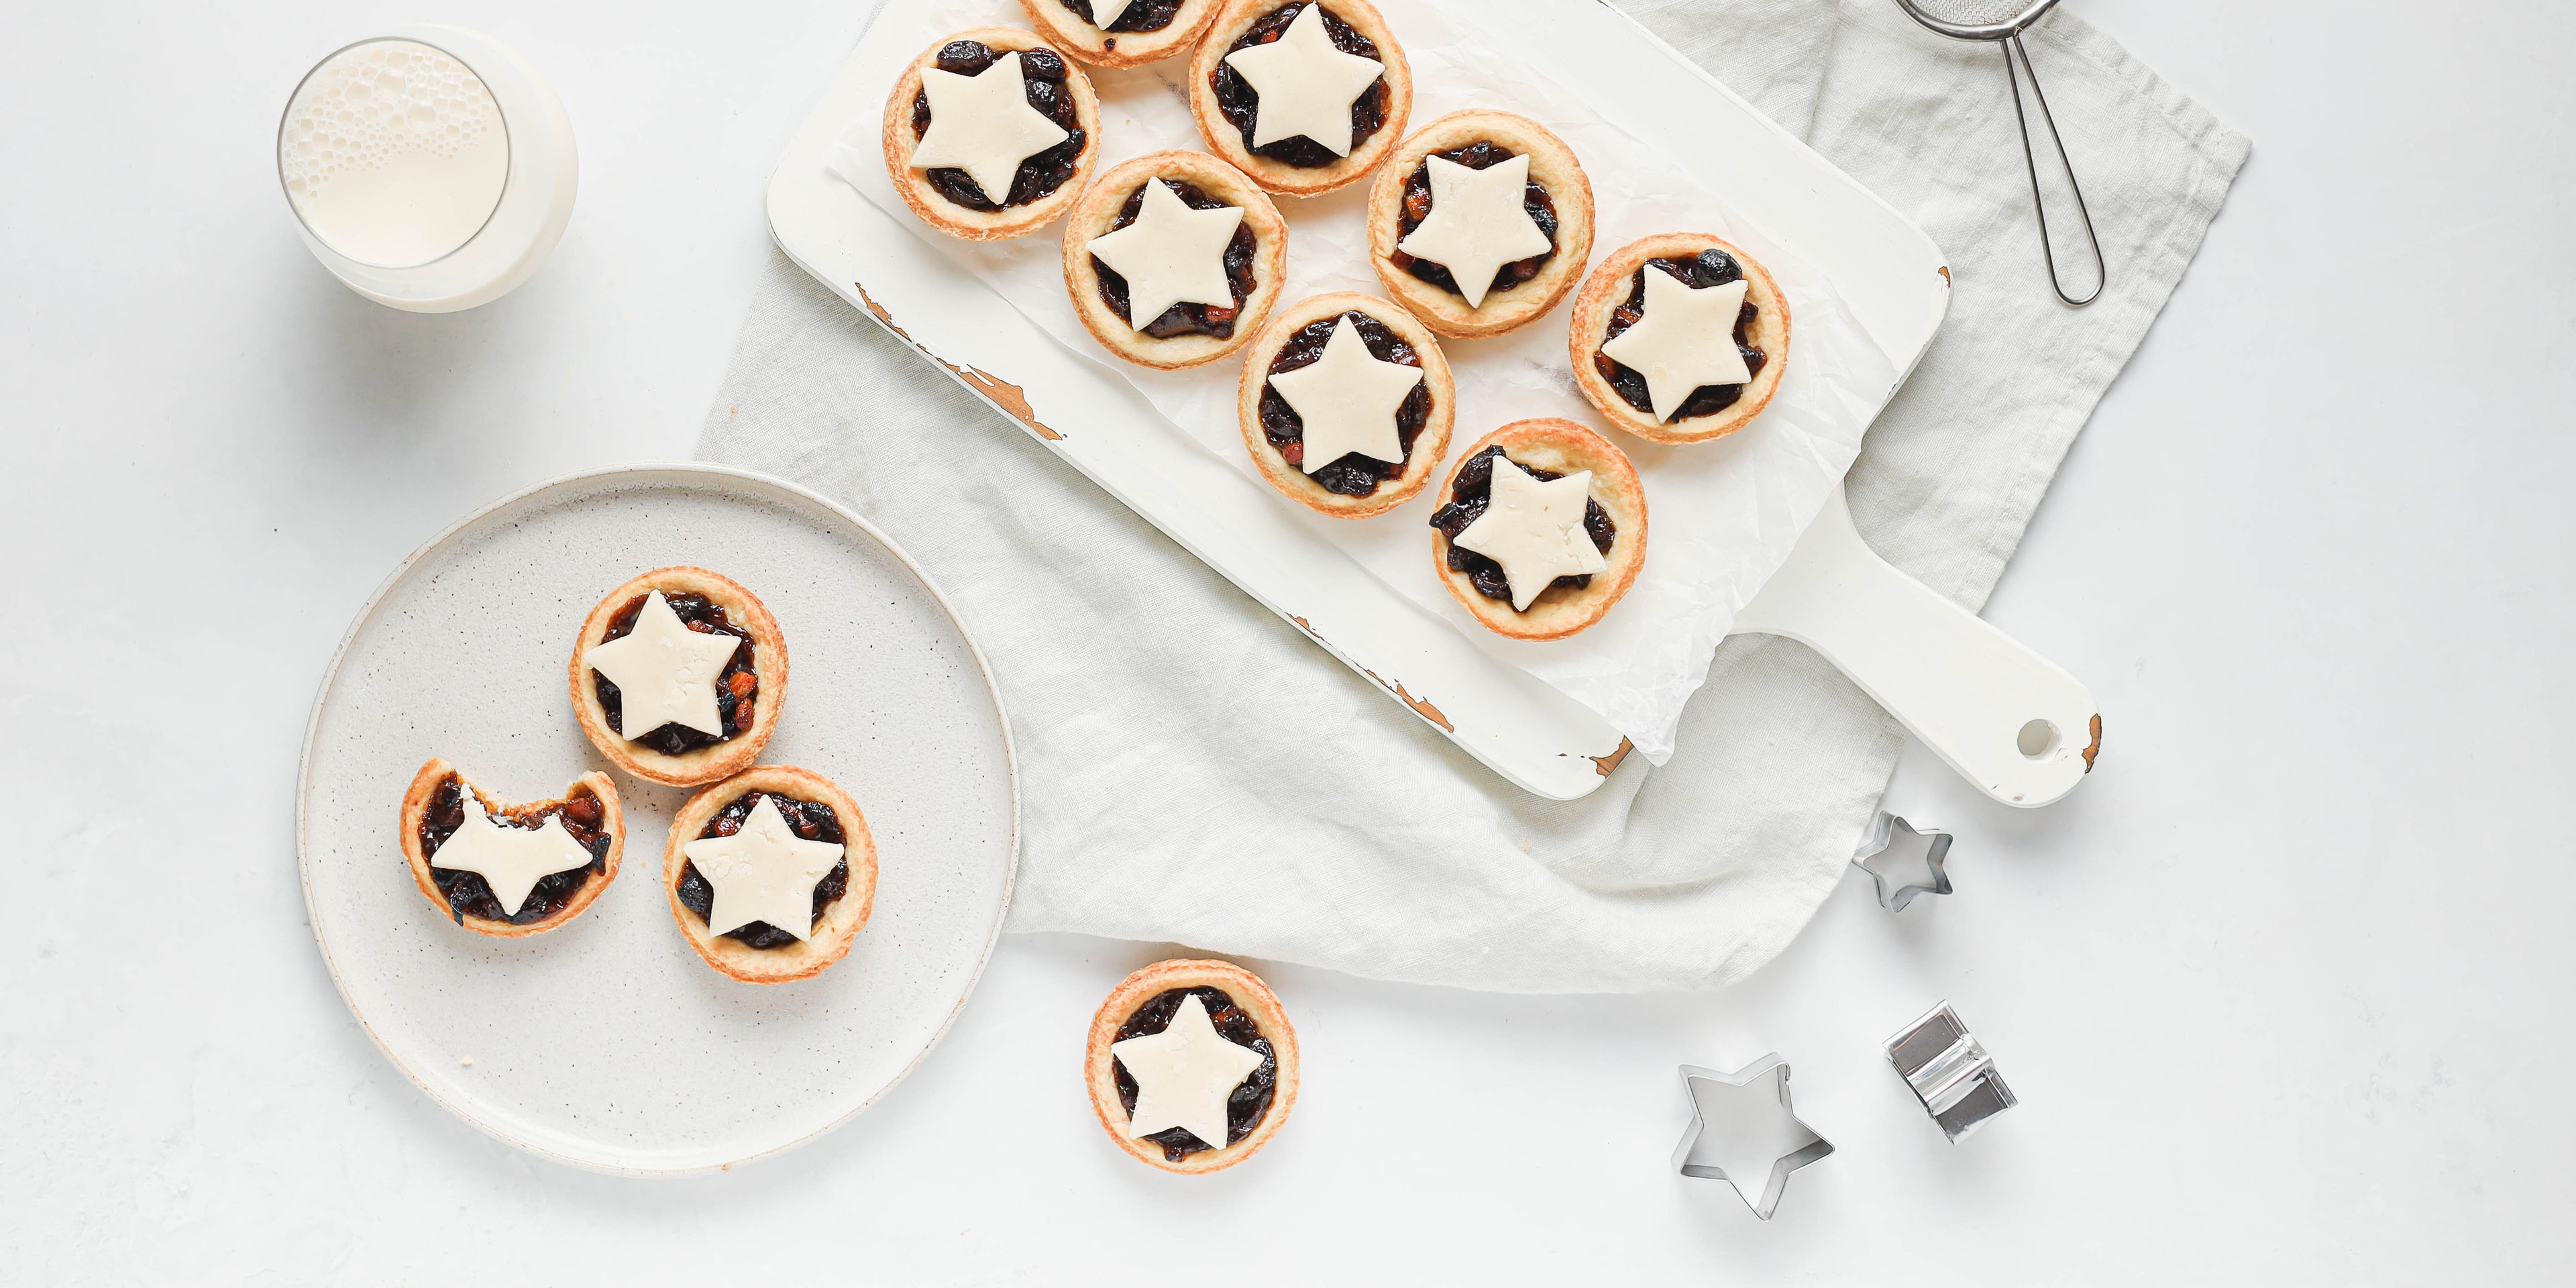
{"x":1950,"y":1072}
{"x":1741,"y":1127}
{"x":1904,"y":862}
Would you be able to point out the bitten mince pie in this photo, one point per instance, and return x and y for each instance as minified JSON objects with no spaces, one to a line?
{"x":990,"y":134}
{"x":510,"y":870}
{"x":1543,"y":530}
{"x":1679,"y":338}
{"x":1480,"y":222}
{"x":678,"y":677}
{"x":1305,"y":97}
{"x":1346,"y":404}
{"x":1121,"y":33}
{"x":1192,"y":1065}
{"x":771,"y":873}
{"x":1173,"y":259}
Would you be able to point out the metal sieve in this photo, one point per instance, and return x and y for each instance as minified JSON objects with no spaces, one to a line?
{"x":2005,"y":20}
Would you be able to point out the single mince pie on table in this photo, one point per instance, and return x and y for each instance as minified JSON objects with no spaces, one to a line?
{"x":1480,"y":222}
{"x":1173,"y":259}
{"x":1346,"y":404}
{"x":1192,"y":1065}
{"x":1544,"y":528}
{"x":1121,"y":33}
{"x":771,"y":873}
{"x":990,"y":134}
{"x":678,"y":677}
{"x":1679,"y":338}
{"x":1305,"y":97}
{"x":510,"y":870}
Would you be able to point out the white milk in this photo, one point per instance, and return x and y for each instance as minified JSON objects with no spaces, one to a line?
{"x":393,"y":153}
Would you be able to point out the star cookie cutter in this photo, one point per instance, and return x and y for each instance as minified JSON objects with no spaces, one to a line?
{"x":1741,"y":1123}
{"x":1904,"y":861}
{"x":1950,"y":1072}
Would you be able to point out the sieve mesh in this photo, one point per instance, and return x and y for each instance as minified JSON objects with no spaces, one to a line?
{"x":1976,"y":13}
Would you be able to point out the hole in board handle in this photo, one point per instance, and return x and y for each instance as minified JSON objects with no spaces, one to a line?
{"x":2036,"y":739}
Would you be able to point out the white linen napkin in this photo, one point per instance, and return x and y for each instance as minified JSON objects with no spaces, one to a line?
{"x":1195,"y":771}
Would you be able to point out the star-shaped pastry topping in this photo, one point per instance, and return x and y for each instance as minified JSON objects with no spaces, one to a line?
{"x":510,"y":859}
{"x":1171,"y":255}
{"x":765,"y":872}
{"x":1534,"y":530}
{"x":1685,"y":340}
{"x":1306,"y":85}
{"x":1348,"y":400}
{"x":983,"y":124}
{"x":1105,"y":12}
{"x":665,"y":673}
{"x":1743,"y":1132}
{"x":1477,"y":223}
{"x":1184,"y":1075}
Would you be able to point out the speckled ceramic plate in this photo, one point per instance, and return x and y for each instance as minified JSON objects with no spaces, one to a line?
{"x":607,"y":1043}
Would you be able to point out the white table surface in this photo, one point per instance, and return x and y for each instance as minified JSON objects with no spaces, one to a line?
{"x":2283,"y":988}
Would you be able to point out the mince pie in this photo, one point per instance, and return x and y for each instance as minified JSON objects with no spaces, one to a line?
{"x":1305,"y":96}
{"x":678,"y":677}
{"x":1121,"y":33}
{"x":510,"y":870}
{"x":990,"y":134}
{"x":1680,"y":338}
{"x":1531,"y":552}
{"x":771,"y":873}
{"x":1173,"y":259}
{"x":1480,"y":222}
{"x":1346,"y":404}
{"x":1192,"y":1065}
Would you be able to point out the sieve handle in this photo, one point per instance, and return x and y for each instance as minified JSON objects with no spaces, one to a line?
{"x":2029,"y":156}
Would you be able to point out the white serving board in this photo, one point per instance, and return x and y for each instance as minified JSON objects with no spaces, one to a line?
{"x":1887,"y":271}
{"x":607,"y":1043}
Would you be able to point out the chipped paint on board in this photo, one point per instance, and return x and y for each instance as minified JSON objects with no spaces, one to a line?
{"x":1003,"y":394}
{"x":1945,"y":275}
{"x":1423,"y":708}
{"x":1604,"y":764}
{"x":880,"y":311}
{"x":2096,"y":748}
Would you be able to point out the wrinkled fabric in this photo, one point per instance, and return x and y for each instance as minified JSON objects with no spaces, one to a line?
{"x":1194,"y":770}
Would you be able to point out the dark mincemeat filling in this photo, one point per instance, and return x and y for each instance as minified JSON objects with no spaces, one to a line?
{"x":1143,"y":15}
{"x":1185,"y":318}
{"x":1711,"y":267}
{"x":469,"y":895}
{"x":812,"y":820}
{"x":1417,"y":207}
{"x":1044,"y":74}
{"x":1236,"y":98}
{"x":1251,"y":1098}
{"x":1353,"y":474}
{"x":1467,"y":500}
{"x":737,"y":686}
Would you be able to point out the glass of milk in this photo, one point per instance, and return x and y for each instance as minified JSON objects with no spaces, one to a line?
{"x":431,"y":169}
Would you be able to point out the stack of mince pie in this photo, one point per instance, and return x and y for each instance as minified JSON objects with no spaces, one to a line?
{"x":1479,"y":223}
{"x":678,"y":678}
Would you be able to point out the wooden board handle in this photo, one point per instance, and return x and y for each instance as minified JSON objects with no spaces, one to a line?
{"x":2010,"y":721}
